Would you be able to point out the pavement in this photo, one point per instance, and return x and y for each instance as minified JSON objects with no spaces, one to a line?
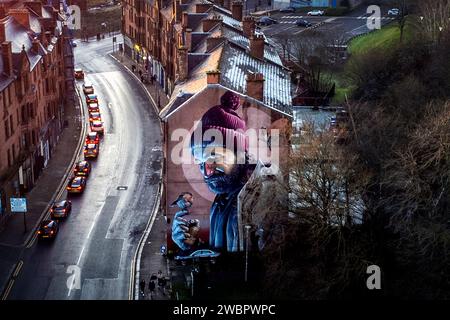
{"x":13,"y":237}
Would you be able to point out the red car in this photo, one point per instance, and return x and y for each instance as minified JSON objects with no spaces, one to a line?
{"x":92,"y":137}
{"x":91,"y":98}
{"x":95,"y":116}
{"x":78,"y":73}
{"x":93,"y":107}
{"x":97,"y":126}
{"x":91,"y":150}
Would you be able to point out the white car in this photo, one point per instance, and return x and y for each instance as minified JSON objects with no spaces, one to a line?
{"x":316,"y":13}
{"x":394,"y":12}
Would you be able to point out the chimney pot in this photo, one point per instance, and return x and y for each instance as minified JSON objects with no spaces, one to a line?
{"x":213,"y":77}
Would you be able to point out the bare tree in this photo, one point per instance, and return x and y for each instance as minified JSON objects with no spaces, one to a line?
{"x":434,"y":18}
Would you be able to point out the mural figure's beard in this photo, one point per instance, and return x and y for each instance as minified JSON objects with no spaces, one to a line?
{"x":220,"y":183}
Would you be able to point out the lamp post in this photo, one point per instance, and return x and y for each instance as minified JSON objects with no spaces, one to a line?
{"x":247,"y":229}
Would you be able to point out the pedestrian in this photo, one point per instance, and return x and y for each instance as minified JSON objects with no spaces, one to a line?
{"x":153,"y":277}
{"x":163,"y":285}
{"x":160,"y":276}
{"x":133,"y":68}
{"x":142,"y":78}
{"x":142,"y":287}
{"x":151,"y":288}
{"x":140,"y":73}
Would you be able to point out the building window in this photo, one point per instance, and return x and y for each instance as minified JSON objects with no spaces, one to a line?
{"x":7,"y":129}
{"x":9,"y":158}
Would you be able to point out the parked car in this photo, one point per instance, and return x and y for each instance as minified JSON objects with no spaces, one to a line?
{"x":95,"y":116}
{"x":93,"y":107}
{"x":287,"y":9}
{"x":92,"y":137}
{"x":91,"y":150}
{"x":316,"y":13}
{"x":88,"y":88}
{"x":303,"y":23}
{"x":91,"y":98}
{"x":78,"y":73}
{"x":266,"y":21}
{"x":60,"y":209}
{"x":394,"y":12}
{"x":97,"y":126}
{"x":203,"y":253}
{"x":76,"y":185}
{"x":48,"y":229}
{"x":82,"y":169}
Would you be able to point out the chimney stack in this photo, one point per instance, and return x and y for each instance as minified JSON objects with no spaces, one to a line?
{"x":184,"y":20}
{"x":182,"y":63}
{"x":188,"y":39}
{"x":248,"y":26}
{"x":212,"y":42}
{"x":210,"y":23}
{"x":7,"y":59}
{"x":2,"y":32}
{"x":202,"y":7}
{"x":2,"y":12}
{"x":236,"y":10}
{"x":36,"y":44}
{"x":36,"y":6}
{"x":257,"y":46}
{"x":255,"y":86}
{"x":22,"y":16}
{"x":48,"y":37}
{"x":178,"y":12}
{"x":213,"y":77}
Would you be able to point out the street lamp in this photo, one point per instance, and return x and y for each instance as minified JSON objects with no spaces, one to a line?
{"x":247,"y":229}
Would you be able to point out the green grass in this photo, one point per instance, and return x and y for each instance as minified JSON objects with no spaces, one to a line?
{"x":384,"y":39}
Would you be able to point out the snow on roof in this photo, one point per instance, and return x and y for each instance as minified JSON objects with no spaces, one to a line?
{"x":236,"y":63}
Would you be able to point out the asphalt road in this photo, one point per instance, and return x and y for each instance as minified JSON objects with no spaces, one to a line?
{"x":353,"y":24}
{"x":101,"y":234}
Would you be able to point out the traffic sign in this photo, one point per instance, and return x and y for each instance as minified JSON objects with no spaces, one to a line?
{"x":18,"y":204}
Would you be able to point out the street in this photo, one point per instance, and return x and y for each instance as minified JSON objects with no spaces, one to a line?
{"x":101,"y":234}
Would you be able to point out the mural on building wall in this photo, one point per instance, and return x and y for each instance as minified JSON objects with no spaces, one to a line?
{"x":226,"y":158}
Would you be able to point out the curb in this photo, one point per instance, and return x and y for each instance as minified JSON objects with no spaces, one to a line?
{"x":28,"y":242}
{"x":133,"y":293}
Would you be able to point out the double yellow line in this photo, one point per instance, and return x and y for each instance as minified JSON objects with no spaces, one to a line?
{"x":12,"y":280}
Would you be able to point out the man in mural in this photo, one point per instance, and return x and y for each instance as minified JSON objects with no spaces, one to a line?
{"x":221,"y":170}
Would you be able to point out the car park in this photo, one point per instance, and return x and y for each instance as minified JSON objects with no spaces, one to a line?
{"x":76,"y":185}
{"x":78,"y":73}
{"x":316,"y":13}
{"x":48,"y":229}
{"x":91,"y":98}
{"x":97,"y":126}
{"x":91,"y":150}
{"x":60,"y":209}
{"x":82,"y":168}
{"x":88,"y":88}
